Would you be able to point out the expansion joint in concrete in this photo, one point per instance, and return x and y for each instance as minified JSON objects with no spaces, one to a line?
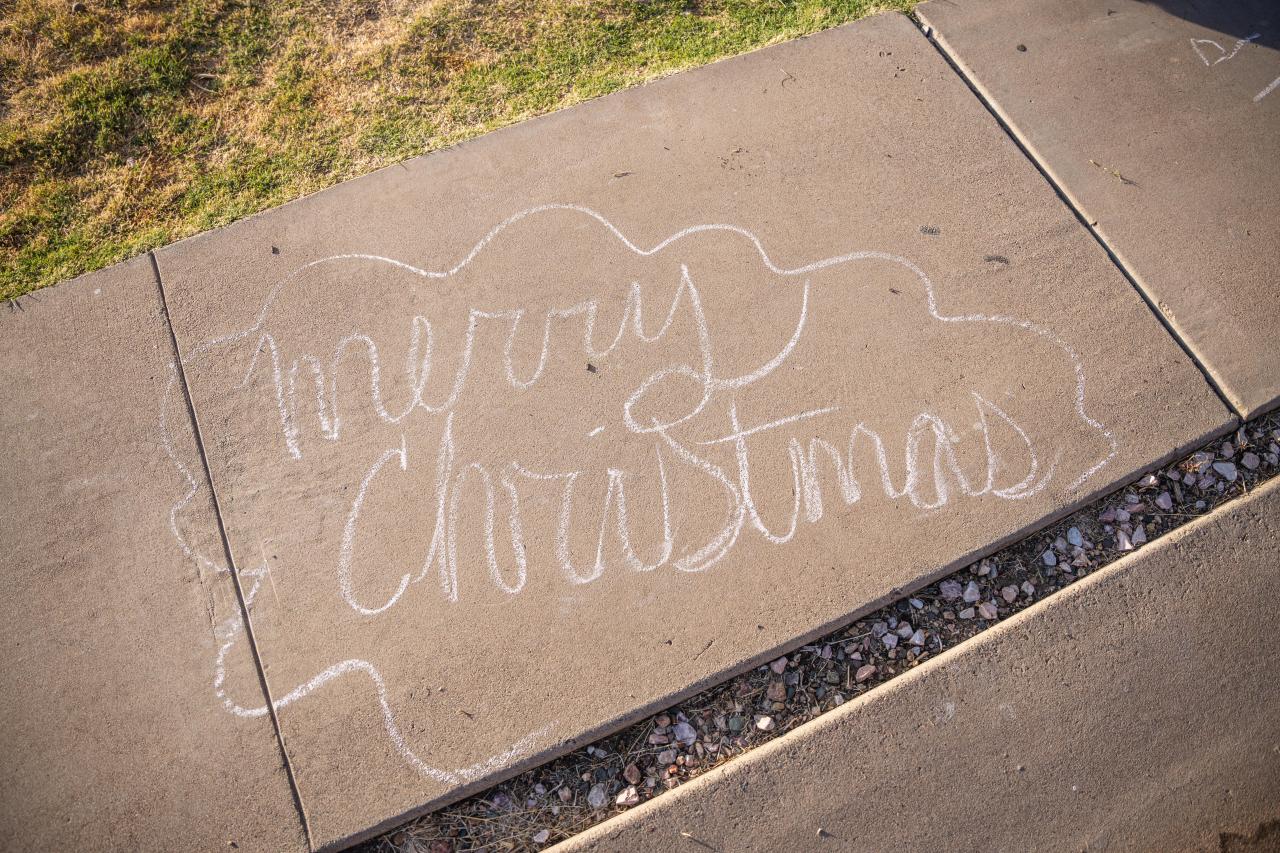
{"x":1090,"y":225}
{"x":230,"y":557}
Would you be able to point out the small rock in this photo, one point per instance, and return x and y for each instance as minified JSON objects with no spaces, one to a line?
{"x":1107,"y":516}
{"x":1147,"y":481}
{"x":596,"y":797}
{"x":972,"y":593}
{"x":736,"y":724}
{"x":950,"y":590}
{"x":1250,"y":461}
{"x":565,"y":794}
{"x":778,"y":666}
{"x":1075,"y":537}
{"x":1164,"y":501}
{"x":764,"y":723}
{"x":628,"y":797}
{"x":776,"y":692}
{"x":684,"y":733}
{"x":967,"y":613}
{"x":864,"y":672}
{"x":904,"y":630}
{"x":1227,"y":450}
{"x":916,"y":604}
{"x":987,"y":610}
{"x":890,"y":641}
{"x":659,"y":739}
{"x":1139,"y":535}
{"x":1123,"y":542}
{"x":662,"y":720}
{"x":542,"y":836}
{"x":632,"y":774}
{"x":1226,"y":470}
{"x":917,"y":639}
{"x":1048,"y":557}
{"x":1122,"y":515}
{"x":1009,"y":593}
{"x":668,"y":756}
{"x":1028,"y":588}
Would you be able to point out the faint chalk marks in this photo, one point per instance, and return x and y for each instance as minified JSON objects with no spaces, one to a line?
{"x":1221,"y":55}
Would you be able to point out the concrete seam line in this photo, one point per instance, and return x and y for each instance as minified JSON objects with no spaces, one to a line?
{"x":1077,"y":209}
{"x":1107,"y":573}
{"x":231,"y":562}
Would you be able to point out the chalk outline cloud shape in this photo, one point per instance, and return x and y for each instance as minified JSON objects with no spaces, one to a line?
{"x":228,"y":630}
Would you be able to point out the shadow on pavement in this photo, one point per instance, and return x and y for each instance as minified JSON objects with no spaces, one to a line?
{"x":1257,"y":21}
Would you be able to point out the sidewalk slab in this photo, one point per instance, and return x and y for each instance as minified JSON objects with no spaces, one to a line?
{"x":114,"y":735}
{"x":1160,"y":121}
{"x":1134,"y":710}
{"x":524,"y":430}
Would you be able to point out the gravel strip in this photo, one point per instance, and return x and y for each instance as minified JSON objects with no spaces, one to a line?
{"x":566,"y":796}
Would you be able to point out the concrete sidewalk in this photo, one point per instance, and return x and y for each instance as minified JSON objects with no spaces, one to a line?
{"x":368,"y":502}
{"x":115,"y":732}
{"x":1134,"y":711}
{"x":1159,"y":121}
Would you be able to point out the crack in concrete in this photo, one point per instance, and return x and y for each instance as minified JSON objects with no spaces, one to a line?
{"x":1089,"y":224}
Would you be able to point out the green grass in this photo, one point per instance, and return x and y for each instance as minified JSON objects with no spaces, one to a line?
{"x":128,"y":125}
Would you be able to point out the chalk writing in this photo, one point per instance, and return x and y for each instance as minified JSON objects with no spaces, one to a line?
{"x":1270,"y":87}
{"x":718,"y":438}
{"x":1221,"y":55}
{"x":1212,"y":53}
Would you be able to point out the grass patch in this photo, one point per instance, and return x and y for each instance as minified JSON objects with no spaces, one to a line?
{"x":128,"y":124}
